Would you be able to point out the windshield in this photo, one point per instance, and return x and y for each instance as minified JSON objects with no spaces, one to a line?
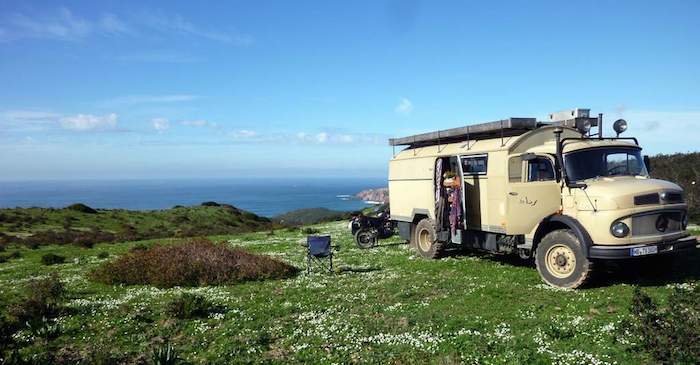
{"x":591,"y":163}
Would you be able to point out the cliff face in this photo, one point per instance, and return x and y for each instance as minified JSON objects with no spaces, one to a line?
{"x":380,"y":195}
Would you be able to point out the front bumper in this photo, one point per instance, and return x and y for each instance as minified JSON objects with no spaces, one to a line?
{"x":625,"y":252}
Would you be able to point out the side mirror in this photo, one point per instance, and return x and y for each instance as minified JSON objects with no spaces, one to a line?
{"x":528,"y":156}
{"x":647,"y":163}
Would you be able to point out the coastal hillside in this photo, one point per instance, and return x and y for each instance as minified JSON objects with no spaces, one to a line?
{"x":379,"y":195}
{"x":310,"y":216}
{"x":82,"y":225}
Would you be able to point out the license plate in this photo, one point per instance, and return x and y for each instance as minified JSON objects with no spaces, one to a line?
{"x":641,"y":251}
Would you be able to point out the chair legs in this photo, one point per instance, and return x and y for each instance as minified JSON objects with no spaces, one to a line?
{"x":319,"y":262}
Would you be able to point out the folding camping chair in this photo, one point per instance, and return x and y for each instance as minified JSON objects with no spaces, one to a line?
{"x":318,"y":250}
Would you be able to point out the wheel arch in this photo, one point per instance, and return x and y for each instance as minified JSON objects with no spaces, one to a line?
{"x":559,"y":221}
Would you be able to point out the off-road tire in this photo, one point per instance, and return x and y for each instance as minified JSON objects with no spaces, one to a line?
{"x":361,"y":241}
{"x":569,"y":267}
{"x":425,"y":239}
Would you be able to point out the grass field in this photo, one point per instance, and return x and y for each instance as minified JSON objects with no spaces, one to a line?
{"x":383,"y":305}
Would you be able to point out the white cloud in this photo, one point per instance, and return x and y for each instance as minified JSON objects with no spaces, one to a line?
{"x":28,"y":115}
{"x":110,"y":23}
{"x":244,"y":133}
{"x":322,"y":137}
{"x":89,"y":122}
{"x":405,"y":107}
{"x":336,"y":138}
{"x":160,"y":124}
{"x":199,"y":123}
{"x":346,"y":138}
{"x":64,"y":25}
{"x":179,"y":25}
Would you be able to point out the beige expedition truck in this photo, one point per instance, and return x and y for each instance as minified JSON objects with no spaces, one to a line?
{"x":551,"y":190}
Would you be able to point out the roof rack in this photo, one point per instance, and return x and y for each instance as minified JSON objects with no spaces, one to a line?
{"x":500,"y":128}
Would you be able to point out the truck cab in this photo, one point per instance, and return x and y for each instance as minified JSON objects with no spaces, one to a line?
{"x":548,"y":190}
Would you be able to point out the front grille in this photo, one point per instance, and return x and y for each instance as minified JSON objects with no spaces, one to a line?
{"x":672,"y":197}
{"x":646,"y":199}
{"x":646,"y":224}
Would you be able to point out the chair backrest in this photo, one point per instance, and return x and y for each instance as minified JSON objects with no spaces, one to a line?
{"x":319,"y":245}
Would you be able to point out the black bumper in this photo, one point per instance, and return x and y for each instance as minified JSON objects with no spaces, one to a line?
{"x":624,"y":252}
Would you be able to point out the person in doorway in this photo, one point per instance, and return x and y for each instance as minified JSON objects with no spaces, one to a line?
{"x":453,"y":183}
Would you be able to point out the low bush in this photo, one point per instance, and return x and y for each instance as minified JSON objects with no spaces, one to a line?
{"x":196,"y":262}
{"x":670,"y":334}
{"x":103,"y":255}
{"x":10,"y":256}
{"x":188,"y":306}
{"x":139,"y":247}
{"x":85,"y":239}
{"x":82,"y":208}
{"x":165,"y":355}
{"x":42,"y":299}
{"x":309,"y":230}
{"x":52,"y":259}
{"x":211,"y":204}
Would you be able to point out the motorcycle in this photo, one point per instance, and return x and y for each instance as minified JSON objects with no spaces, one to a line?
{"x":367,"y":230}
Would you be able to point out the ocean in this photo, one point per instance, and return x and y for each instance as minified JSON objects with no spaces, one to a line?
{"x":265,"y":196}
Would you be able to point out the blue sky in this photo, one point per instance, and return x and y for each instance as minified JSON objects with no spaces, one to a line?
{"x":280,"y":88}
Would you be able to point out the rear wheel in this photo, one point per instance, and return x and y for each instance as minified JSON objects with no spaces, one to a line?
{"x":366,"y":237}
{"x":561,"y":260}
{"x":425,"y":239}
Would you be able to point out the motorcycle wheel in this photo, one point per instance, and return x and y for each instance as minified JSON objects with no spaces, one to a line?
{"x":366,"y":238}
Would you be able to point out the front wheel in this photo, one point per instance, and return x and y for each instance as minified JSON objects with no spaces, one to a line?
{"x":561,"y":260}
{"x":366,"y":237}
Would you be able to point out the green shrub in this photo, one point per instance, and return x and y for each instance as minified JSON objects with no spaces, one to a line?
{"x":82,"y":208}
{"x":52,"y":259}
{"x":671,"y":334}
{"x":165,"y":355}
{"x":103,"y":255}
{"x":197,"y":262}
{"x":139,"y":247}
{"x":188,"y":306}
{"x":10,"y":256}
{"x":41,"y":300}
{"x":211,"y":204}
{"x":309,"y":230}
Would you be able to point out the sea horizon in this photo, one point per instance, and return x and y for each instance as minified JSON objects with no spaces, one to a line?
{"x":268,"y":196}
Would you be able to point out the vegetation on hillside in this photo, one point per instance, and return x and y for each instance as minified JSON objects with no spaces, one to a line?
{"x":683,"y":169}
{"x":383,"y":305}
{"x":84,"y":226}
{"x":310,"y":216}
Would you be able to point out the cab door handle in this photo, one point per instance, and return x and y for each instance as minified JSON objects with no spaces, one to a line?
{"x":513,"y":193}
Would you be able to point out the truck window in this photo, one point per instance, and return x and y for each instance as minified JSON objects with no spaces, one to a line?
{"x":540,"y":169}
{"x":515,"y":169}
{"x":474,"y":165}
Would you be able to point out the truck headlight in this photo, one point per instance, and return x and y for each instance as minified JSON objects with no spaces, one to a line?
{"x":619,"y":229}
